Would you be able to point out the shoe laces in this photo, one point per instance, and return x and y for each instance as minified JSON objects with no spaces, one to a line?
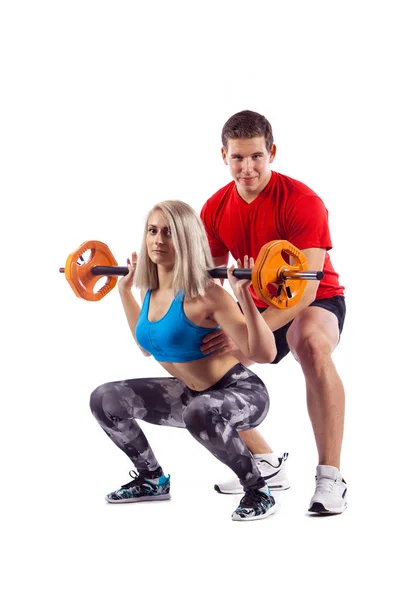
{"x":137,"y":480}
{"x":252,"y":498}
{"x":324,"y":484}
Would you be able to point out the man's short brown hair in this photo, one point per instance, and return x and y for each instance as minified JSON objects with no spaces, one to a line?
{"x":247,"y":124}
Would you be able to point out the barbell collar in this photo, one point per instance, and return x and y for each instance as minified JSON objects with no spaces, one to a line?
{"x":308,"y":275}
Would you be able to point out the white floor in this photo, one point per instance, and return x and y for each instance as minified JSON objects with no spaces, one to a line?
{"x":63,"y":541}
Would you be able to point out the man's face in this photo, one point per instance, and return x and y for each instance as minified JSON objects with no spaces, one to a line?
{"x":249,"y":163}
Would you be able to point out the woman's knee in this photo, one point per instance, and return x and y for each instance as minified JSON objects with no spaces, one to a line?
{"x":196,"y":414}
{"x":100,"y":397}
{"x":259,"y":409}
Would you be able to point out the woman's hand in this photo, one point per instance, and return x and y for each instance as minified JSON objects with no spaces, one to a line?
{"x":240,"y":285}
{"x":126,"y":282}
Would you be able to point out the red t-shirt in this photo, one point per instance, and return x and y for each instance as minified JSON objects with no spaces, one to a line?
{"x":285,"y":210}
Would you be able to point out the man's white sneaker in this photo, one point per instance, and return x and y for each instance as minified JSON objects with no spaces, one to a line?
{"x":275,"y":477}
{"x":330,"y":492}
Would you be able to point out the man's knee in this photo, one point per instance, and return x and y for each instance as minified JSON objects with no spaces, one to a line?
{"x":311,"y":349}
{"x":313,"y":336}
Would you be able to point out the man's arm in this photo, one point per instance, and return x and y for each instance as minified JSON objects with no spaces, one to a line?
{"x":221,"y":261}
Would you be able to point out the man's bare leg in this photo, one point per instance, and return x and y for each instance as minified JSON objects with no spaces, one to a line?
{"x":312,"y":338}
{"x":255,"y":442}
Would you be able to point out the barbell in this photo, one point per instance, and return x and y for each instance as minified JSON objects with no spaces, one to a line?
{"x":269,"y":276}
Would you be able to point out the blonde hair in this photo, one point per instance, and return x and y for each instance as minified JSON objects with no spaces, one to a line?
{"x":192,"y":252}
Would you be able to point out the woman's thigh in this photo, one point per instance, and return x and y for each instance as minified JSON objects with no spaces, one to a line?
{"x":240,"y":398}
{"x":158,"y":400}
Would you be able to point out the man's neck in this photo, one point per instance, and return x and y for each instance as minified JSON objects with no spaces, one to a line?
{"x":249,"y":197}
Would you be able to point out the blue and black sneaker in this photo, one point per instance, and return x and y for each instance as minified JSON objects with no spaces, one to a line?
{"x":141,"y":489}
{"x":255,"y":504}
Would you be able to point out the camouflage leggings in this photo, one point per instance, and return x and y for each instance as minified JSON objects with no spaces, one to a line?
{"x":237,"y":402}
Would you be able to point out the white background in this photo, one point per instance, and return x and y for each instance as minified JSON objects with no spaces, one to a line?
{"x":107,"y":108}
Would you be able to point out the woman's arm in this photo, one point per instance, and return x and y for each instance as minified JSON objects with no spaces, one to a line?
{"x":131,"y":307}
{"x":249,"y":331}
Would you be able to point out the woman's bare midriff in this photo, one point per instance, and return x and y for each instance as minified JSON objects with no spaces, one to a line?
{"x":203,"y":373}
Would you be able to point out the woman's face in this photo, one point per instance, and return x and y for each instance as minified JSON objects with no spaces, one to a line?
{"x":159,"y":240}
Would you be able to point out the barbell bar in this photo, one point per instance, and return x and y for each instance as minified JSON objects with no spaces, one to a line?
{"x":269,"y":276}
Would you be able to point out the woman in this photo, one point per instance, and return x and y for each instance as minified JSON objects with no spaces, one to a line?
{"x":212,"y":396}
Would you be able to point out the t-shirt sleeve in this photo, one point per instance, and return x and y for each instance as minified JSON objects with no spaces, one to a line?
{"x":307,"y":223}
{"x":217,"y":247}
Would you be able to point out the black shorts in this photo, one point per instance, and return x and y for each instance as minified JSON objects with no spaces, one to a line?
{"x":335,"y":305}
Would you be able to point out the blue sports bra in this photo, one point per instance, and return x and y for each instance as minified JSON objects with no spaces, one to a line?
{"x":173,"y":338}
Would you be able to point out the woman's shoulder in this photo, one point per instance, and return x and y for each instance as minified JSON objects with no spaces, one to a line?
{"x":216,"y":294}
{"x":213,"y":293}
{"x":204,"y":307}
{"x":144,"y":292}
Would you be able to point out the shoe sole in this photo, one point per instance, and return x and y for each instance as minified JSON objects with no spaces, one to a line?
{"x":320,"y":509}
{"x":140,"y":499}
{"x":271,"y":511}
{"x":273,"y":488}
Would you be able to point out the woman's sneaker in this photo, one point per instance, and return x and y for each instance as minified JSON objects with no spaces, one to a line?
{"x":141,"y":490}
{"x":330,"y":492}
{"x":275,"y":477}
{"x":255,"y":504}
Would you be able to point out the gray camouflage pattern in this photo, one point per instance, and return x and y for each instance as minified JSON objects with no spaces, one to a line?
{"x":239,"y":401}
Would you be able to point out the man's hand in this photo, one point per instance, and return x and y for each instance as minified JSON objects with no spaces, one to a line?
{"x":218,"y":342}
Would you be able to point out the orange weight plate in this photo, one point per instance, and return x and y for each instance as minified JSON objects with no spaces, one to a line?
{"x":78,"y":270}
{"x":267,"y":272}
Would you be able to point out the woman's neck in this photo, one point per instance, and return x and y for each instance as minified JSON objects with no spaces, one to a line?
{"x":165,"y":279}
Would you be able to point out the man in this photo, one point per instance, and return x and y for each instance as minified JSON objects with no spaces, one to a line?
{"x":258,"y":206}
